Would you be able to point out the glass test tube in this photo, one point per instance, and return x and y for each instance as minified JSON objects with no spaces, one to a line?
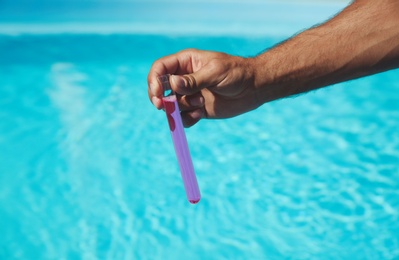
{"x":180,"y":141}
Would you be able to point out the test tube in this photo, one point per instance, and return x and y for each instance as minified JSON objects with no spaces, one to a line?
{"x":180,"y":141}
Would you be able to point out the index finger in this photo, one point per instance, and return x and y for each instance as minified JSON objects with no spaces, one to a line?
{"x":166,"y":65}
{"x":179,"y":63}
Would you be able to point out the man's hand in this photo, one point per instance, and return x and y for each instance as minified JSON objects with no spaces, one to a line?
{"x":362,"y":40}
{"x":208,"y":84}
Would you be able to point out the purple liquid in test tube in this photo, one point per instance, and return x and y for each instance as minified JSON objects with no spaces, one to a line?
{"x":180,"y":142}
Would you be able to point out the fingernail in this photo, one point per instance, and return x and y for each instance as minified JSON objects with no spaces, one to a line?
{"x":155,"y":102}
{"x":197,"y":101}
{"x":197,"y":114}
{"x":152,"y":88}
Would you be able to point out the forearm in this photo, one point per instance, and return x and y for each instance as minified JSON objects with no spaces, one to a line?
{"x":362,"y":40}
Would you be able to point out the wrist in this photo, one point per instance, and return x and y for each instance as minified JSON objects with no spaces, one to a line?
{"x":254,"y":81}
{"x":267,"y":84}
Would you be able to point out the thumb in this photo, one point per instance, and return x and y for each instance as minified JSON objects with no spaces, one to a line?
{"x":189,"y":84}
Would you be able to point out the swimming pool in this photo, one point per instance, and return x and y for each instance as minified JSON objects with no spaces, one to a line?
{"x":87,"y":167}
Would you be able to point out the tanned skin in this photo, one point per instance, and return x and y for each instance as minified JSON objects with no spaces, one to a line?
{"x":361,"y":40}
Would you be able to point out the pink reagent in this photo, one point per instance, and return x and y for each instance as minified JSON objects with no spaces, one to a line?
{"x":180,"y":142}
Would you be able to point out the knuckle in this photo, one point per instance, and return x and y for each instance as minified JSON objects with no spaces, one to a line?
{"x":188,"y":52}
{"x":191,"y":82}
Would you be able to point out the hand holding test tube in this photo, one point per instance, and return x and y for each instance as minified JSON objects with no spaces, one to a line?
{"x":180,"y":141}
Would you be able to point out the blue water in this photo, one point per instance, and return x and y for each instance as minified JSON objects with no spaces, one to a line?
{"x":177,"y":17}
{"x":88,"y":171}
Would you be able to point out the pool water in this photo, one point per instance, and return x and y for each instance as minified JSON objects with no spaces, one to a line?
{"x":88,"y":170}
